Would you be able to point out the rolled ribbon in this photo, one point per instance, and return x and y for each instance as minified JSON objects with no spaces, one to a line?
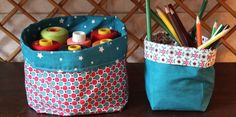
{"x":58,"y":34}
{"x":45,"y":45}
{"x":104,"y":34}
{"x":79,"y":38}
{"x":74,"y":47}
{"x":101,"y":42}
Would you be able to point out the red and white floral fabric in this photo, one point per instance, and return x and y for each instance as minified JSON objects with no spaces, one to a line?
{"x":177,"y":55}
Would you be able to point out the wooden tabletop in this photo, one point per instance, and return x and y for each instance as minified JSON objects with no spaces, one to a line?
{"x":223,"y":103}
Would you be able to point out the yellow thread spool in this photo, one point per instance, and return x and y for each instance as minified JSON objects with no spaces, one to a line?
{"x":45,"y":42}
{"x":105,"y":40}
{"x":74,"y":47}
{"x":104,"y":31}
{"x":101,"y":42}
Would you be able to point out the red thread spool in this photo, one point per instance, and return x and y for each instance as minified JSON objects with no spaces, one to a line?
{"x":111,"y":34}
{"x":36,"y":46}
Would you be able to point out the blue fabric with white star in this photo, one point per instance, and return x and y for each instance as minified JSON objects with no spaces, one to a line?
{"x":75,"y":61}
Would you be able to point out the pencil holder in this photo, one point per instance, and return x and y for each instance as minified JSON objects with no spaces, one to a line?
{"x":89,"y":81}
{"x":178,"y":78}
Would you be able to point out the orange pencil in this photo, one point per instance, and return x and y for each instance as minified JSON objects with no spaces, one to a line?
{"x":199,"y":32}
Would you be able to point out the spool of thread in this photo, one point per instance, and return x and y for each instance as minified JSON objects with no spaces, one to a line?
{"x":104,"y":33}
{"x":74,"y":47}
{"x":45,"y":42}
{"x":58,"y":34}
{"x":79,"y":37}
{"x":101,"y":42}
{"x":45,"y":45}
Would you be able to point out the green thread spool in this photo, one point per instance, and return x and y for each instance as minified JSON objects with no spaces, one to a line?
{"x":58,"y":34}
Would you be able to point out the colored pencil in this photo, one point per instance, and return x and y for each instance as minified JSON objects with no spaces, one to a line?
{"x":219,"y":29}
{"x":176,"y":27}
{"x":226,"y":26}
{"x":199,"y":32}
{"x":161,"y":23}
{"x":214,"y":28}
{"x":203,"y":7}
{"x":218,"y":42}
{"x":200,"y":14}
{"x":213,"y":39}
{"x":186,"y":34}
{"x":168,"y":24}
{"x":148,"y":18}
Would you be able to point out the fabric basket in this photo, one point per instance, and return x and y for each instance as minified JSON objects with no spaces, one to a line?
{"x":90,"y":81}
{"x":178,"y":78}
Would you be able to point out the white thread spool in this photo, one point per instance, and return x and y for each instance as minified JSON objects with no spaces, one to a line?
{"x":78,"y":36}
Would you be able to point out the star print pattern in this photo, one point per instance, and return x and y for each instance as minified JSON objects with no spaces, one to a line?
{"x":123,"y":28}
{"x":40,"y":55}
{"x":117,"y":61}
{"x":81,"y":58}
{"x":59,"y":70}
{"x":61,"y":21}
{"x":53,"y":57}
{"x":101,"y":49}
{"x":75,"y":69}
{"x":93,"y":21}
{"x":60,"y":59}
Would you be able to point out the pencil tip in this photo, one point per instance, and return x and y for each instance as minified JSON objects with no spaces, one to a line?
{"x":198,"y":20}
{"x":171,"y":11}
{"x":215,"y":24}
{"x":167,"y":9}
{"x":158,"y":10}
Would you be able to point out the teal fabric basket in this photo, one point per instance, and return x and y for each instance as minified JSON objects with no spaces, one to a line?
{"x":90,"y":81}
{"x":178,"y":78}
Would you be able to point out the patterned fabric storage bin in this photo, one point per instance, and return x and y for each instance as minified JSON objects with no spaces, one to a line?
{"x":178,"y":78}
{"x":89,"y":81}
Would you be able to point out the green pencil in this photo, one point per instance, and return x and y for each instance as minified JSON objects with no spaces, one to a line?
{"x":214,"y":28}
{"x":148,"y":18}
{"x":219,"y":29}
{"x":200,"y":14}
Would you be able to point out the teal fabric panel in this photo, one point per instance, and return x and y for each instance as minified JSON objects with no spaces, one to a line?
{"x":175,"y":87}
{"x":92,"y":57}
